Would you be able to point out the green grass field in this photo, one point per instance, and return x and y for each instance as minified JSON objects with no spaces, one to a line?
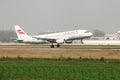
{"x":59,"y":69}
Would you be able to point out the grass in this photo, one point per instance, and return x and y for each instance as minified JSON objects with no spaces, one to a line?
{"x":58,"y":69}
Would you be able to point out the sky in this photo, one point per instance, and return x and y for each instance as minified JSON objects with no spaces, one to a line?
{"x":36,"y":16}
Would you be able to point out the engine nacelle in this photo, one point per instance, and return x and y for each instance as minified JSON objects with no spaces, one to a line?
{"x":60,"y":41}
{"x":68,"y":42}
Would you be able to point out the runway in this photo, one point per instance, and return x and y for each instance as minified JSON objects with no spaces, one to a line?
{"x":65,"y":51}
{"x":62,"y":47}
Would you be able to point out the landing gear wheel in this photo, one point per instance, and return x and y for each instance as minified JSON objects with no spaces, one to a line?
{"x":58,"y":45}
{"x":82,"y":42}
{"x":52,"y":46}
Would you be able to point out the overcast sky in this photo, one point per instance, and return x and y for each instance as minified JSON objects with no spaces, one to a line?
{"x":58,"y":15}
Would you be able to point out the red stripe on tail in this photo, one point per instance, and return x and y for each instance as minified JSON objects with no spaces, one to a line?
{"x":20,"y":31}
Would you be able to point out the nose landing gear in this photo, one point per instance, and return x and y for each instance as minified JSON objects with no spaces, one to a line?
{"x":82,"y":41}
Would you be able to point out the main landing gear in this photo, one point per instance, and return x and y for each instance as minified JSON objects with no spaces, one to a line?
{"x":58,"y":45}
{"x":52,"y":45}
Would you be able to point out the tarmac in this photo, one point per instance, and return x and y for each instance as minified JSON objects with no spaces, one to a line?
{"x":65,"y":51}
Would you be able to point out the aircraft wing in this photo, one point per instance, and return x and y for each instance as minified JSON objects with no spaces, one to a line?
{"x":47,"y":39}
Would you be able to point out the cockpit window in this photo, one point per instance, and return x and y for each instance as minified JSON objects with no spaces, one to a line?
{"x":87,"y":31}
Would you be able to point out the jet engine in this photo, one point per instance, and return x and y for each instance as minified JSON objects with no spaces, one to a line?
{"x":60,"y":41}
{"x":68,"y":42}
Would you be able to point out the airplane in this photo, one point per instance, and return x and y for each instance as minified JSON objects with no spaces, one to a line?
{"x":23,"y":37}
{"x":59,"y":38}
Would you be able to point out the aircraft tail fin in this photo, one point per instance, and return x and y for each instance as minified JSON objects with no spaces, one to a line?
{"x":21,"y":34}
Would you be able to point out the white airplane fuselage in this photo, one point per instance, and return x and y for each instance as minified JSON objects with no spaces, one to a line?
{"x":59,"y":38}
{"x":69,"y":35}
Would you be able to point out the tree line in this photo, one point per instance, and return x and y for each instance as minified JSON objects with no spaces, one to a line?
{"x":7,"y":36}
